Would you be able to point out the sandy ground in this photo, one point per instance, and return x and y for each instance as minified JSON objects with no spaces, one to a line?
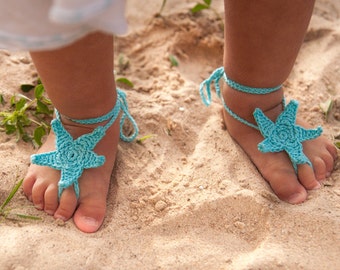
{"x":188,"y":198}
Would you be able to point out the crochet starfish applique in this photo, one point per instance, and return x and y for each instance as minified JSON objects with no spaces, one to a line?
{"x":71,"y":156}
{"x":285,"y":135}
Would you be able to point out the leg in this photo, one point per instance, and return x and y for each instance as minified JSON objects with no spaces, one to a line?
{"x":262,"y":40}
{"x":79,"y":81}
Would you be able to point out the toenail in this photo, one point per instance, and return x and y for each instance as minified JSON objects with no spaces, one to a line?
{"x":296,"y":198}
{"x":316,"y":186}
{"x":322,"y":181}
{"x":39,"y":206}
{"x":49,"y":212}
{"x":57,"y":217}
{"x":91,"y":221}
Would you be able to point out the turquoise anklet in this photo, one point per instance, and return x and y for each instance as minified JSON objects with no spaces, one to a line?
{"x":283,"y":135}
{"x":71,"y":156}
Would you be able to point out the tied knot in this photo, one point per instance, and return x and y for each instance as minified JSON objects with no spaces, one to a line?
{"x":205,"y":90}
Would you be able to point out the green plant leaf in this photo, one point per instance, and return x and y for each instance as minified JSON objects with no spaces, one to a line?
{"x":25,"y":111}
{"x":337,"y":144}
{"x":42,"y":108}
{"x":141,"y":140}
{"x":2,"y":100}
{"x":28,"y":217}
{"x":10,"y":129}
{"x":26,"y":87}
{"x":125,"y":81}
{"x":173,"y":60}
{"x":20,"y":104}
{"x":38,"y":134}
{"x":38,"y":91}
{"x":208,"y":2}
{"x":6,"y":213}
{"x":11,"y":195}
{"x":326,"y":107}
{"x":199,"y":7}
{"x":46,"y":101}
{"x":12,"y":101}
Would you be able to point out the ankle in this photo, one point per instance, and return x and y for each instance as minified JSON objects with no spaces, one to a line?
{"x":244,"y":104}
{"x":88,"y":109}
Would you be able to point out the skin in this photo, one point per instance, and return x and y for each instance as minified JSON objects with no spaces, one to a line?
{"x":63,"y":71}
{"x":262,"y":40}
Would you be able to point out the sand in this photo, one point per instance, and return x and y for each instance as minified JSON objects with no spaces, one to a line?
{"x":187,"y":198}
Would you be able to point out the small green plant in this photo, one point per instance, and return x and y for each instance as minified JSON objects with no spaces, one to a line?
{"x":337,"y":144}
{"x":201,"y":6}
{"x":207,"y":5}
{"x":144,"y":138}
{"x":2,"y":100}
{"x":6,"y":212}
{"x":24,"y":112}
{"x":125,"y":81}
{"x":337,"y":141}
{"x":123,"y":64}
{"x":173,"y":60}
{"x":161,"y":9}
{"x":326,"y":107}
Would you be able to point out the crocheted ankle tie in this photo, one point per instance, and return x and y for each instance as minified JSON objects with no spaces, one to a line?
{"x":283,"y":135}
{"x":71,"y":156}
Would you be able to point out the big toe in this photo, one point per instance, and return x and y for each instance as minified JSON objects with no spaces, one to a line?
{"x":287,"y":187}
{"x":292,"y":194}
{"x":90,"y":215}
{"x":27,"y":185}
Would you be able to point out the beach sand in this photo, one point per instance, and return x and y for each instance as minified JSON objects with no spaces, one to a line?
{"x":188,"y":197}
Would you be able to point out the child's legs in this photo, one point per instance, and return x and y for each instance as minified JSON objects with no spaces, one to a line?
{"x":79,"y":81}
{"x":262,"y":40}
{"x":79,"y":78}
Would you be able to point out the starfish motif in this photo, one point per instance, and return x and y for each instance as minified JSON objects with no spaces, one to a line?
{"x":71,"y":156}
{"x":285,"y":135}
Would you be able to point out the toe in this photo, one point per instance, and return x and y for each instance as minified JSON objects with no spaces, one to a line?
{"x":332,"y":150}
{"x":320,"y":169}
{"x":90,"y":215}
{"x":286,"y":186}
{"x":28,"y":186}
{"x":67,"y":205}
{"x":51,"y":199}
{"x":38,"y":194}
{"x":307,"y":177}
{"x":329,"y":161}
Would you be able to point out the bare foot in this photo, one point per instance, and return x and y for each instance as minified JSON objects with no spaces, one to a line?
{"x":41,"y":183}
{"x":276,"y":168}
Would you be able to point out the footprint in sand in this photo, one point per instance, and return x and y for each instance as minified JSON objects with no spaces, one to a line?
{"x":217,"y":229}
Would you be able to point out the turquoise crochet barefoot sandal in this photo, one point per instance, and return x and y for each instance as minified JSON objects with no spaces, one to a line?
{"x":283,"y":135}
{"x":71,"y":156}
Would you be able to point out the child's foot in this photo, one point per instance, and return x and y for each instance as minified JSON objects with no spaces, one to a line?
{"x":41,"y":183}
{"x":276,"y":168}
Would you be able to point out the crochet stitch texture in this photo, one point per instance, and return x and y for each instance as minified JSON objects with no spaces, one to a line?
{"x":283,"y":135}
{"x":71,"y":156}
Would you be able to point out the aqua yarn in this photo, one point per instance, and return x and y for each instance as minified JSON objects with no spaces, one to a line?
{"x":71,"y":156}
{"x":283,"y":135}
